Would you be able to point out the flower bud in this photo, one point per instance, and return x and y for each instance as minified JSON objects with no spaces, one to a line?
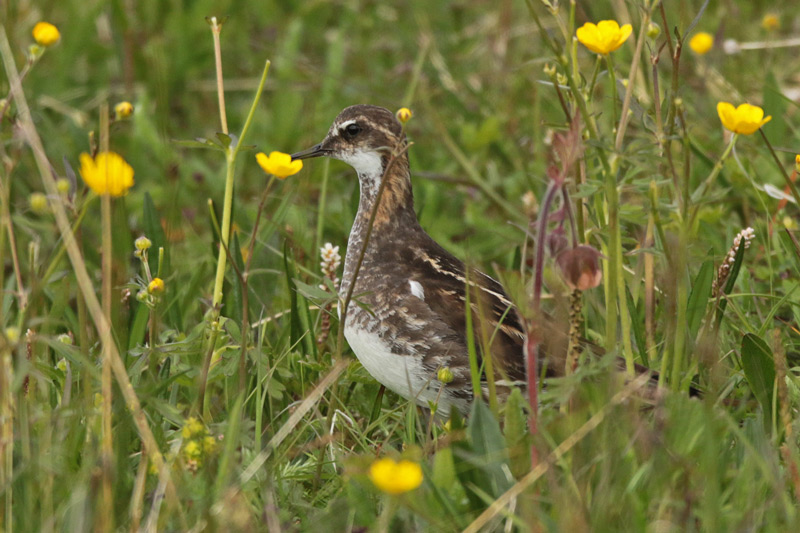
{"x":62,"y":364}
{"x":404,"y":114}
{"x":45,"y":34}
{"x":701,"y":43}
{"x":123,"y":110}
{"x":797,"y":163}
{"x":12,"y":334}
{"x":549,"y":69}
{"x":580,"y":267}
{"x":63,"y":185}
{"x":730,"y":46}
{"x":64,"y":338}
{"x":141,"y":296}
{"x":38,"y":203}
{"x":155,"y":286}
{"x":770,"y":22}
{"x":653,"y":30}
{"x":445,"y":375}
{"x":142,"y":243}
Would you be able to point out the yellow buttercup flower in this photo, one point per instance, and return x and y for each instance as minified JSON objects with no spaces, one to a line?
{"x":404,"y":114}
{"x":108,"y":173}
{"x":123,"y":110}
{"x":604,"y":37}
{"x":745,"y":119}
{"x":701,"y":42}
{"x":279,"y":164}
{"x":395,"y":477}
{"x":45,"y":34}
{"x":797,"y":163}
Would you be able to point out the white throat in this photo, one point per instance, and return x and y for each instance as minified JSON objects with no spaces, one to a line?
{"x":368,"y":165}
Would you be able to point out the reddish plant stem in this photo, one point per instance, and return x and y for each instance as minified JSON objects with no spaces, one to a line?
{"x":532,"y":340}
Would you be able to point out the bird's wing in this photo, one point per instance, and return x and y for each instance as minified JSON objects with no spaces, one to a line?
{"x":495,"y":323}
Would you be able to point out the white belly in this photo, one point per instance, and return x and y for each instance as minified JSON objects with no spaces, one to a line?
{"x":402,"y":374}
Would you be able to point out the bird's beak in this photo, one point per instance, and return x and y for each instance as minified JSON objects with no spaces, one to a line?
{"x":314,"y":151}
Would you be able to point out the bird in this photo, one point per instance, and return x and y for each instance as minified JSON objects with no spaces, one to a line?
{"x":409,"y":318}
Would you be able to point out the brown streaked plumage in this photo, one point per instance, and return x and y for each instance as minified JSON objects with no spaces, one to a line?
{"x":412,"y":317}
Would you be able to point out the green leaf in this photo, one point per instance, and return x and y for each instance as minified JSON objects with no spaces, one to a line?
{"x":516,"y":434}
{"x":313,"y":292}
{"x":225,"y":139}
{"x":790,"y":243}
{"x":759,"y":369}
{"x":489,"y":447}
{"x":226,"y":467}
{"x":775,"y":103}
{"x":199,"y":143}
{"x":294,"y":315}
{"x":139,"y":326}
{"x":698,"y":299}
{"x":234,"y":310}
{"x":637,"y":325}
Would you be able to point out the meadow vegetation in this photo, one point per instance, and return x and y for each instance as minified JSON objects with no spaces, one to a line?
{"x":170,"y":355}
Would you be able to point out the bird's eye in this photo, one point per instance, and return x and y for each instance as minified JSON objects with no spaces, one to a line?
{"x":352,"y":130}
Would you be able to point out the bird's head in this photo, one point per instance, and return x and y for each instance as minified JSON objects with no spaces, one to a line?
{"x":363,"y":136}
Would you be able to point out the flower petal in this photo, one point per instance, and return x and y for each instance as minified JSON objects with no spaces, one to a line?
{"x":624,"y":33}
{"x":726,"y":113}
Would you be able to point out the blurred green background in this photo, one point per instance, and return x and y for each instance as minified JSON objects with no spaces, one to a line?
{"x":484,"y":113}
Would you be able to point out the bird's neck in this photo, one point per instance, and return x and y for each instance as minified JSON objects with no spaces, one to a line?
{"x":395,"y":217}
{"x":395,"y":203}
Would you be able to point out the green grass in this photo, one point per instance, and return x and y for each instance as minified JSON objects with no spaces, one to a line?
{"x":285,"y":441}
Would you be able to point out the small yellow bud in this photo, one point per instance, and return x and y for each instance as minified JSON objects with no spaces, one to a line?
{"x":404,"y":114}
{"x":445,"y":375}
{"x":653,"y":30}
{"x":38,"y":203}
{"x":157,"y":285}
{"x":192,"y":450}
{"x":45,"y":34}
{"x":142,"y":243}
{"x":62,"y":364}
{"x":701,"y":42}
{"x":141,"y":296}
{"x":770,"y":22}
{"x":394,"y":477}
{"x":64,"y":338}
{"x":63,"y":185}
{"x":561,"y":79}
{"x":209,"y":444}
{"x":549,"y":69}
{"x":12,"y":334}
{"x":192,"y":428}
{"x":797,"y":163}
{"x":123,"y":110}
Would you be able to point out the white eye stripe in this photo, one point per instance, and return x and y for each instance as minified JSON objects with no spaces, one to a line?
{"x":343,"y":125}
